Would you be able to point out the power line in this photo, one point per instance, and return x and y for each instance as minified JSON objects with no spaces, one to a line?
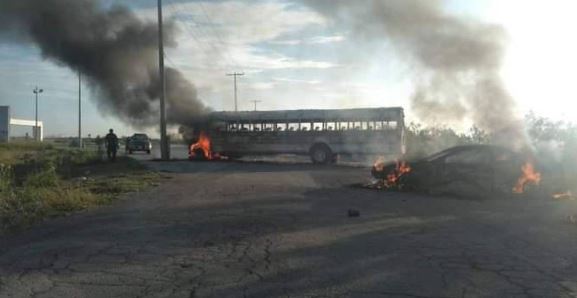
{"x":216,"y":33}
{"x":204,"y":42}
{"x":169,"y":60}
{"x":189,"y":28}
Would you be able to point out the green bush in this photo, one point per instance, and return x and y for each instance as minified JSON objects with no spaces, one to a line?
{"x":44,"y":178}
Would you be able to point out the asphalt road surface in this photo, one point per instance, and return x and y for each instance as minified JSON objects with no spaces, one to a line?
{"x":238,"y":229}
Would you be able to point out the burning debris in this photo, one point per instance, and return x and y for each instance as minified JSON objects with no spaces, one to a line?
{"x":528,"y":176}
{"x":477,"y":170}
{"x":390,"y":177}
{"x":201,"y":149}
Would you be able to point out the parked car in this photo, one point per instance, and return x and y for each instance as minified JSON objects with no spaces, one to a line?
{"x":138,"y":142}
{"x":470,"y":170}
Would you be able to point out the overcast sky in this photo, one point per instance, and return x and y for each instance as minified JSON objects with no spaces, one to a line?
{"x":293,"y":58}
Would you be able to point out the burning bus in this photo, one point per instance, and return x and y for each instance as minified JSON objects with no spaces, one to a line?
{"x":321,"y":134}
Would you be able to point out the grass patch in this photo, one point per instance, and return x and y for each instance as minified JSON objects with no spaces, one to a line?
{"x":39,"y":181}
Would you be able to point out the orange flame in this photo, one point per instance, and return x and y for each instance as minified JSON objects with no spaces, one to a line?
{"x":203,"y":144}
{"x":528,"y":175}
{"x":401,"y":168}
{"x":379,"y":164}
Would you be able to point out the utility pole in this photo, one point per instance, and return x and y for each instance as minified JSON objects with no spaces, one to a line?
{"x":36,"y":132}
{"x":235,"y":74}
{"x":255,"y":101}
{"x":164,"y":153}
{"x":79,"y":109}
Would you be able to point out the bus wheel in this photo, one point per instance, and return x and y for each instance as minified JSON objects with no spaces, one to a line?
{"x":321,"y":154}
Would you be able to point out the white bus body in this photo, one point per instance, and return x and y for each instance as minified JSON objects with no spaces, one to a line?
{"x":322,"y":134}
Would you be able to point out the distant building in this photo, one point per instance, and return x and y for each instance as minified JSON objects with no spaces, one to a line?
{"x":6,"y":121}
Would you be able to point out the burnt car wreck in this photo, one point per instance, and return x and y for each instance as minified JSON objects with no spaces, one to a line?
{"x":467,"y":171}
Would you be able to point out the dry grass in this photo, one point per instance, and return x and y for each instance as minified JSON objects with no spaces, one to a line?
{"x":39,"y":181}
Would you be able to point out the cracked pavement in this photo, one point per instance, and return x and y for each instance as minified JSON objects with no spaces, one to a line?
{"x":282,"y":230}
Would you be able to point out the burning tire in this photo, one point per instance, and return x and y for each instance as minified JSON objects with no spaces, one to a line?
{"x":197,"y":154}
{"x":321,"y":154}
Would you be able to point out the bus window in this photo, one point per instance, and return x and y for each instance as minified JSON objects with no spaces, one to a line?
{"x":343,"y":125}
{"x":390,"y":125}
{"x":318,"y":126}
{"x":280,"y":127}
{"x":330,"y":126}
{"x":305,"y":126}
{"x":293,"y":126}
{"x":378,"y":125}
{"x":364,"y":125}
{"x":268,"y":127}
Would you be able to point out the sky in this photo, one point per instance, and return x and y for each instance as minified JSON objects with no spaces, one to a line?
{"x":293,"y":58}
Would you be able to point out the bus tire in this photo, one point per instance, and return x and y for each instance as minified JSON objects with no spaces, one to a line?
{"x":321,"y":154}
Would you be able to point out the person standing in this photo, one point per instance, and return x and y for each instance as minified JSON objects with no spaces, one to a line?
{"x":111,"y":141}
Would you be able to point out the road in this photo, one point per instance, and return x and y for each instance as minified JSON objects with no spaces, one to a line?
{"x":241,"y":229}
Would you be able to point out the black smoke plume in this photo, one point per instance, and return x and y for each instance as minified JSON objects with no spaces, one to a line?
{"x":112,"y":47}
{"x":456,"y":60}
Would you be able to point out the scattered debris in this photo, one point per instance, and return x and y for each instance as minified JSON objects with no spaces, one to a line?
{"x":354,"y":213}
{"x":563,"y":196}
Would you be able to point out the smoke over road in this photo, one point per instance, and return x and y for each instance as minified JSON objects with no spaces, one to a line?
{"x":114,"y":49}
{"x":456,"y":61}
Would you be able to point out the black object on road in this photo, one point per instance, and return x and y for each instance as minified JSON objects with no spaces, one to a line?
{"x":354,"y":213}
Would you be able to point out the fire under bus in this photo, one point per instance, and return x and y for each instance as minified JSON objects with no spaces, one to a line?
{"x":321,"y":134}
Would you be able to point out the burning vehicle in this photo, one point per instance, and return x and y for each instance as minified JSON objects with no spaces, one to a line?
{"x":322,"y":134}
{"x":470,"y":170}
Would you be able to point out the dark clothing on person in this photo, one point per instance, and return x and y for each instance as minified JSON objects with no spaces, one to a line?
{"x":111,"y":145}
